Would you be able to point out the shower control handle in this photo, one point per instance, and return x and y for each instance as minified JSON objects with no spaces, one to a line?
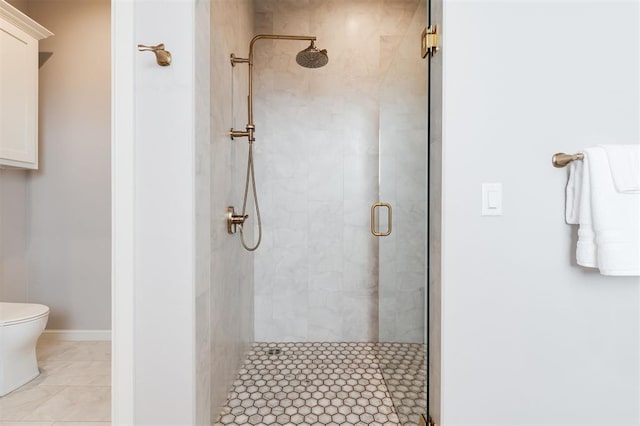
{"x":163,"y":57}
{"x":233,"y":220}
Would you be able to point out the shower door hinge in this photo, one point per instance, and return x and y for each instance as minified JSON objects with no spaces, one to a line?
{"x":430,"y":41}
{"x":425,"y":422}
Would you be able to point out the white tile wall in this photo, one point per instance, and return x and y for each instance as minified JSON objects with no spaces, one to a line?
{"x":231,"y":266}
{"x":317,"y":163}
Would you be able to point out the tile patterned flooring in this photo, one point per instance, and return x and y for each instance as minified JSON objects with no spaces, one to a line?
{"x":329,"y":384}
{"x":403,"y":368}
{"x":73,"y":389}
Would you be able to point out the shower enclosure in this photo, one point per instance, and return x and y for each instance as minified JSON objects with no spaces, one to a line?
{"x":334,"y":146}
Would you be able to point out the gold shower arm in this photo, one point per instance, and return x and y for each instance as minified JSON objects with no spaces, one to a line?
{"x":561,"y":159}
{"x":253,"y":41}
{"x":235,"y":60}
{"x":276,"y":37}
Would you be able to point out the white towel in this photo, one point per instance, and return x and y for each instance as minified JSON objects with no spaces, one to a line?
{"x":574,"y":191}
{"x":609,"y":233}
{"x":586,"y":249}
{"x":624,"y":161}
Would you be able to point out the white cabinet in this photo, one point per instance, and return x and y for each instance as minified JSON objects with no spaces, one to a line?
{"x":19,"y":37}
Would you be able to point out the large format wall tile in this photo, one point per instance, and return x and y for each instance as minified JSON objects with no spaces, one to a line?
{"x":231,"y":294}
{"x":318,"y":166}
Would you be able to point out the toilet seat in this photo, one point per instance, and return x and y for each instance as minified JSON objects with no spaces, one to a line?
{"x":17,"y":313}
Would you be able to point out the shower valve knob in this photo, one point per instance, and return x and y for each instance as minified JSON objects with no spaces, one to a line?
{"x":163,"y":57}
{"x":233,"y":220}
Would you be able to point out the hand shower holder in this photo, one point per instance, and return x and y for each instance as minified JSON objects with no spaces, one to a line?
{"x":233,"y":133}
{"x":233,"y":220}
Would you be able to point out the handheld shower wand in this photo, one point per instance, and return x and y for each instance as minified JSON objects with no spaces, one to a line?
{"x":311,"y":57}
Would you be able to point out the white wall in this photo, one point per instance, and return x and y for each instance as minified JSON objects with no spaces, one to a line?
{"x":528,"y":336}
{"x":68,"y":198}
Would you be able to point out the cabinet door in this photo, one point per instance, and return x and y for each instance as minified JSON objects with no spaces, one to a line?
{"x":18,"y":97}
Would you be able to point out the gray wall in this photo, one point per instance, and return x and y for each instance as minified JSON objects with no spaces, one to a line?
{"x":528,"y":336}
{"x":67,"y":202}
{"x":231,"y":266}
{"x":13,"y":225}
{"x":21,"y":5}
{"x":13,"y":236}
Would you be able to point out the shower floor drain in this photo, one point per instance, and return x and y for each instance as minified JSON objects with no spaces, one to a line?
{"x":274,"y":351}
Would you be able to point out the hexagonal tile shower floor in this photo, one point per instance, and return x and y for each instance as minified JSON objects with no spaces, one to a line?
{"x":328,"y":383}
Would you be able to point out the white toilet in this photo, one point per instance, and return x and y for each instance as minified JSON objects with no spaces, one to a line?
{"x":21,"y":324}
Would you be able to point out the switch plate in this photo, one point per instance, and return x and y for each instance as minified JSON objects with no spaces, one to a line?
{"x":491,"y":199}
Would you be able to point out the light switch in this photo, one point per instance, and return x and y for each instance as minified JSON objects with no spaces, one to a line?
{"x":491,"y":199}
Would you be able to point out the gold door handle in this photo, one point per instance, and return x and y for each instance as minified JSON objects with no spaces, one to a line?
{"x":163,"y":57}
{"x":373,"y":219}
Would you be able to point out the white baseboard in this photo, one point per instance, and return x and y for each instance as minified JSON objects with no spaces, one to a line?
{"x":77,"y":335}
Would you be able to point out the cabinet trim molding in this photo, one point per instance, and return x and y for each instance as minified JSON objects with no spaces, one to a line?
{"x":12,"y":15}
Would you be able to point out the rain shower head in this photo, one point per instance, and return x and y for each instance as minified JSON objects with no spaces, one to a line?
{"x":312,"y":57}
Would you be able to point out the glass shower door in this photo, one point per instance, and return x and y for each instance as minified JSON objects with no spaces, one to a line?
{"x":402,"y":254}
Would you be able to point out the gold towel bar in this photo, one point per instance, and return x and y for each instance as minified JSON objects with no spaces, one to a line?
{"x":561,"y":159}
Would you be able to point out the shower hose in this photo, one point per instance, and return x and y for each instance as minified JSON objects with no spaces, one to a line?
{"x":251,"y":176}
